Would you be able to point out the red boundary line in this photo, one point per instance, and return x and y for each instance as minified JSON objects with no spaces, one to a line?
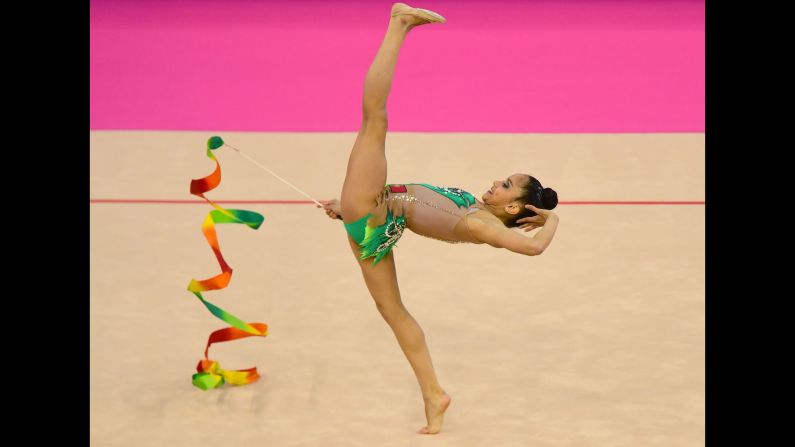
{"x":301,"y":202}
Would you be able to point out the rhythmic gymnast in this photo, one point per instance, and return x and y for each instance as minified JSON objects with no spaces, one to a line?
{"x":375,"y":214}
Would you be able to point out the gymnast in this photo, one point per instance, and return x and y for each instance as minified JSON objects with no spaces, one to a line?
{"x":375,"y":213}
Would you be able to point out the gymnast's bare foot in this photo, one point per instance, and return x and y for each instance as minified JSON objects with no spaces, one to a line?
{"x":434,"y":413}
{"x":410,"y":17}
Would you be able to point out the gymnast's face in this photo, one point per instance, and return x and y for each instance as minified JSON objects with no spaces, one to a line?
{"x":504,"y":191}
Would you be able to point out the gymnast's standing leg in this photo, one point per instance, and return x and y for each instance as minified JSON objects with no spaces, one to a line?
{"x":364,"y":182}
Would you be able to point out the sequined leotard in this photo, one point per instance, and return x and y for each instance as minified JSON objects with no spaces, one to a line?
{"x":431,"y":211}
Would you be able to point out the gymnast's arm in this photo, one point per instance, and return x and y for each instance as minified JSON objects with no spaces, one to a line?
{"x":500,"y":236}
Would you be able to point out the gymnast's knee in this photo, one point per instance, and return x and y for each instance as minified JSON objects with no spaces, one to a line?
{"x":375,"y":118}
{"x":392,"y":312}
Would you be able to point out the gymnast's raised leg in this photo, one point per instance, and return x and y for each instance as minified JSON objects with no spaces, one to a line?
{"x":364,"y":181}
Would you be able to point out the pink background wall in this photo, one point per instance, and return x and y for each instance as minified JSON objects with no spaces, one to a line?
{"x":498,"y":66}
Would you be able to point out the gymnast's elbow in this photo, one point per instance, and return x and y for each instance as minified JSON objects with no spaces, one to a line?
{"x":533,"y":248}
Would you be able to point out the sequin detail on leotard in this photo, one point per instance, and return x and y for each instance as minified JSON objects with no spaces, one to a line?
{"x":433,"y":226}
{"x":380,"y":230}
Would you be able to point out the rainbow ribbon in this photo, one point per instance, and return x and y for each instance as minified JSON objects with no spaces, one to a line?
{"x":209,"y":373}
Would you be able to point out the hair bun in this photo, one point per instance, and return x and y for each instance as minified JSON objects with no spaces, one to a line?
{"x":549,"y":198}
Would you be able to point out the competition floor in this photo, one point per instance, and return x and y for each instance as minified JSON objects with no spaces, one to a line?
{"x":598,"y":342}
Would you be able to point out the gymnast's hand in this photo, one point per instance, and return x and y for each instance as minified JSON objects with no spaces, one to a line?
{"x":332,"y":208}
{"x":537,"y":221}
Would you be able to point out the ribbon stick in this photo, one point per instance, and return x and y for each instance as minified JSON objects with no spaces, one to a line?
{"x":258,"y":164}
{"x":209,"y":373}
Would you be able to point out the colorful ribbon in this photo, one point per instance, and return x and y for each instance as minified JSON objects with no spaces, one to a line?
{"x":209,"y":373}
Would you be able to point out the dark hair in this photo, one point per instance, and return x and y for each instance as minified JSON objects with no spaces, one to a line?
{"x":536,"y":195}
